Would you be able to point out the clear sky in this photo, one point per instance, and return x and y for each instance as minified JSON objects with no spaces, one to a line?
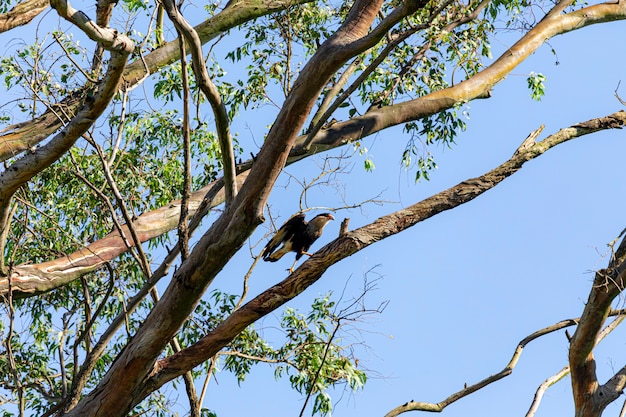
{"x":467,"y":285}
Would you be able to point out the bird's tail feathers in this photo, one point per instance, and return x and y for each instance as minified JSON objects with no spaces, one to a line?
{"x":273,"y":257}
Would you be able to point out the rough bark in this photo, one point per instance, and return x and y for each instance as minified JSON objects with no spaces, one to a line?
{"x":22,"y":14}
{"x":32,"y":279}
{"x":121,"y":387}
{"x":348,"y":244}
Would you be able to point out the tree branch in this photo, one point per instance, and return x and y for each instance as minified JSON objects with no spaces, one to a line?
{"x":477,"y":86}
{"x":55,"y":273}
{"x":346,"y":245}
{"x":29,"y":280}
{"x":210,"y":91}
{"x":22,"y":14}
{"x":226,"y":235}
{"x":508,"y":369}
{"x":183,"y":222}
{"x":590,"y":398}
{"x":25,"y":168}
{"x":22,"y":136}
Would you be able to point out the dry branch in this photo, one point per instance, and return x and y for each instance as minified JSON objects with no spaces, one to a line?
{"x":506,"y":371}
{"x":210,"y":91}
{"x":565,"y":371}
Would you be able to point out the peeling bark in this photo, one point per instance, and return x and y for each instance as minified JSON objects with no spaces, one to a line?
{"x":22,"y":14}
{"x":120,"y":389}
{"x":23,"y":136}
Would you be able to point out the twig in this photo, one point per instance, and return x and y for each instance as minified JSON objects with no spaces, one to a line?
{"x":246,"y":278}
{"x":141,"y":256}
{"x":319,"y":368}
{"x":120,"y":131}
{"x":209,"y":374}
{"x":69,"y":56}
{"x":623,"y":104}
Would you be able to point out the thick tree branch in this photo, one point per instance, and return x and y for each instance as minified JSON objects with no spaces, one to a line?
{"x":477,"y":86}
{"x":123,"y":385}
{"x":22,"y":136}
{"x":29,"y":280}
{"x":348,"y":244}
{"x":22,"y":14}
{"x":317,"y":123}
{"x":590,"y":398}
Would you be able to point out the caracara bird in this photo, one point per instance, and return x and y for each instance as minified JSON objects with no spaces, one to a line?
{"x":297,"y":235}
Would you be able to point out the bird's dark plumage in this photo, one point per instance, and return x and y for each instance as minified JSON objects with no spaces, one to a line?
{"x":296,"y":235}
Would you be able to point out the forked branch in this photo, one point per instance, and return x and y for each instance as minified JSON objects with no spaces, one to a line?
{"x":506,"y":371}
{"x":346,"y":245}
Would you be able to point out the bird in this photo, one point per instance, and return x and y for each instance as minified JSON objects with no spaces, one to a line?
{"x":296,"y":235}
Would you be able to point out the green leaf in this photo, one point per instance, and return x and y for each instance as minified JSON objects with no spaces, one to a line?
{"x":536,"y":85}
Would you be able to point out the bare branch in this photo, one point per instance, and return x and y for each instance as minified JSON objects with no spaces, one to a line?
{"x":210,"y":91}
{"x":565,"y":371}
{"x":346,"y":245}
{"x":508,"y":369}
{"x":534,"y":406}
{"x":22,"y":14}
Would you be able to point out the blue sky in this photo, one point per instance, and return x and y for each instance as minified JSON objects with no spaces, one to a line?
{"x":466,"y":286}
